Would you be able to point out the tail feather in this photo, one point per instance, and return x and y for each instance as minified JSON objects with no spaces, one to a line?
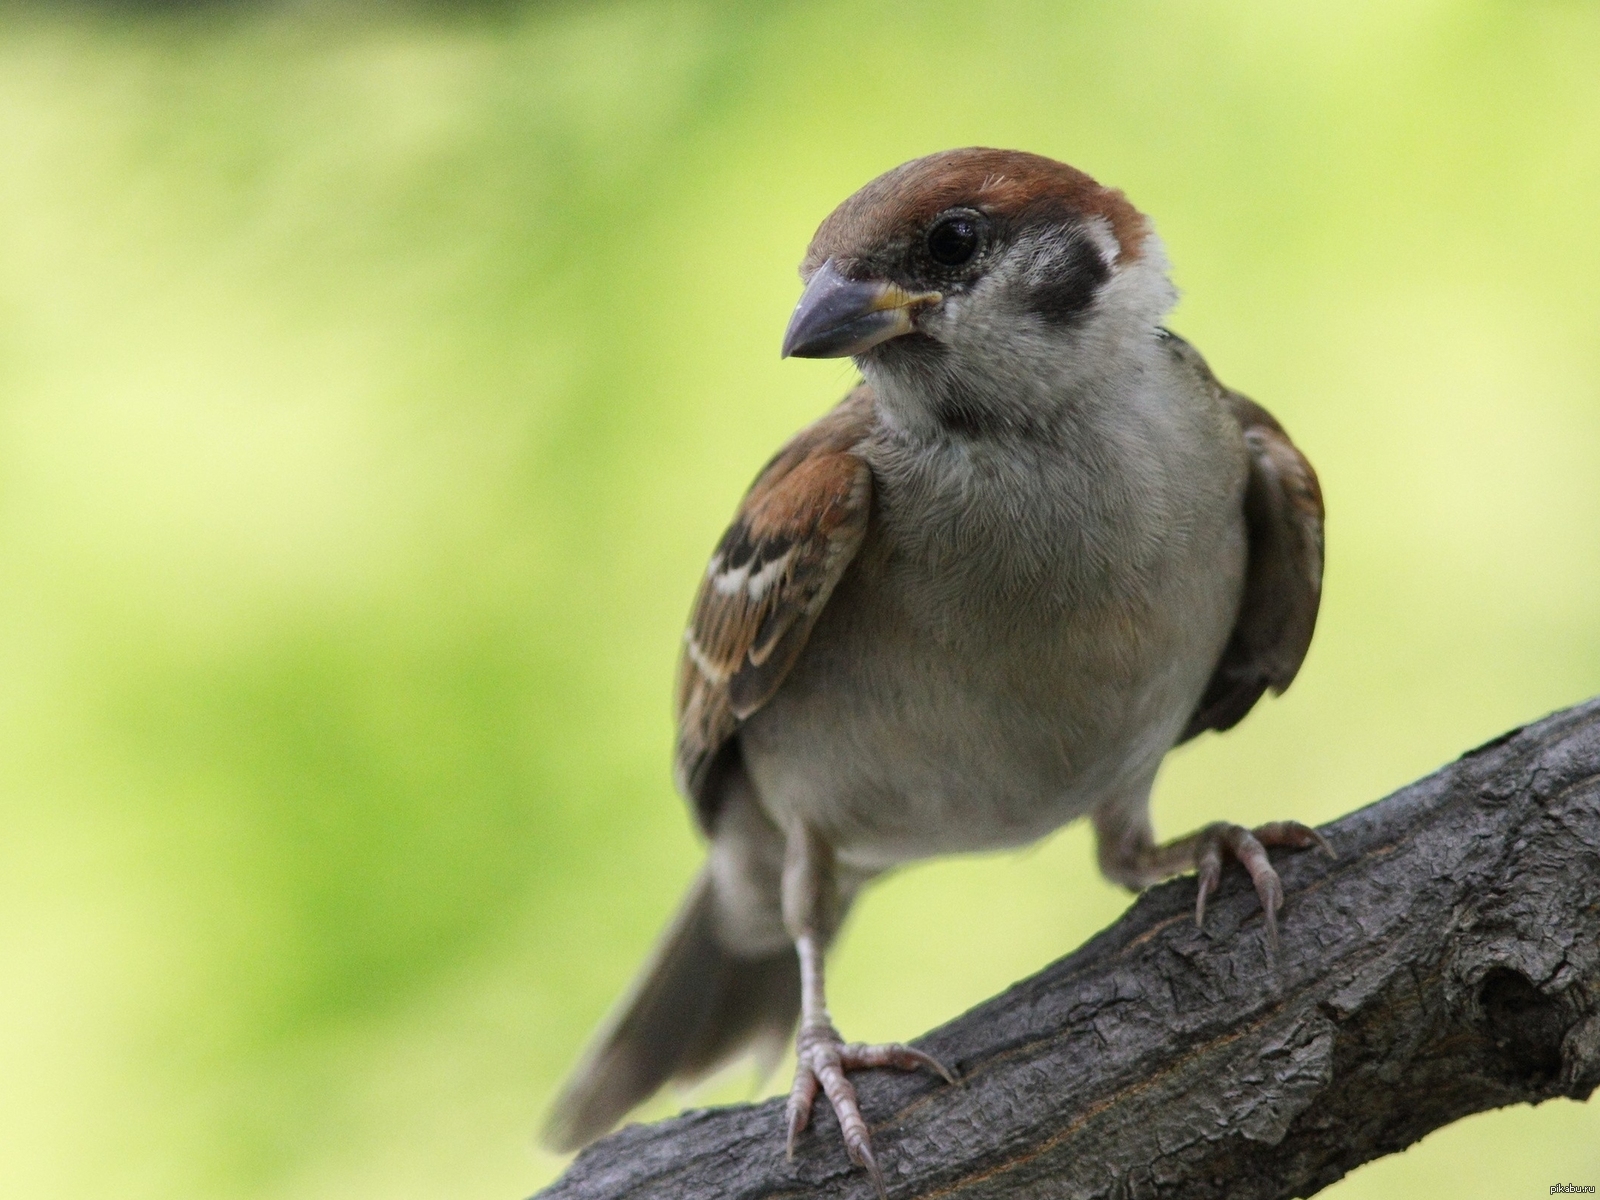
{"x":694,"y":1006}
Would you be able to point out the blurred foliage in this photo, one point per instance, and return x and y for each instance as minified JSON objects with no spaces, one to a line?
{"x":373,"y":383}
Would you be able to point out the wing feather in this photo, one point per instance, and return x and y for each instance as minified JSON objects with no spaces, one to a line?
{"x":770,"y":577}
{"x":1283,"y":579}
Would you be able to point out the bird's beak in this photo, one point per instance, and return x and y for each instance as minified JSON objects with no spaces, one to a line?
{"x":838,"y":316}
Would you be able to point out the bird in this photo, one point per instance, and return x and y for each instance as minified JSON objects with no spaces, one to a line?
{"x":1037,"y":546}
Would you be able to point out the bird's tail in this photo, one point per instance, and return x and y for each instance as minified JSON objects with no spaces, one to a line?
{"x":693,"y":1007}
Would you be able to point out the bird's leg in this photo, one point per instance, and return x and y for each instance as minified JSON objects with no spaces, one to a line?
{"x":1129,"y":855}
{"x":810,"y":901}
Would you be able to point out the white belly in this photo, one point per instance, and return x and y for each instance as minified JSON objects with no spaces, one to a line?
{"x":912,"y":726}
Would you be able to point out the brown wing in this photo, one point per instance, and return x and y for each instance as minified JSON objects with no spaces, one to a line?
{"x":799,"y":526}
{"x":1283,"y":580}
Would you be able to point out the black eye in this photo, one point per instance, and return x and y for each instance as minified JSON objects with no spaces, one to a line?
{"x":953,"y":240}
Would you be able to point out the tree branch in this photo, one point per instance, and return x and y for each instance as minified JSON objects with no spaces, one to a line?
{"x":1447,"y":963}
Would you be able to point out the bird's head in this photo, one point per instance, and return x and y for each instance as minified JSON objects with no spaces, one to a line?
{"x":978,"y":285}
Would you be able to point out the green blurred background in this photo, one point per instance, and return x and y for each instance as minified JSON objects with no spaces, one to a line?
{"x":374,"y":382}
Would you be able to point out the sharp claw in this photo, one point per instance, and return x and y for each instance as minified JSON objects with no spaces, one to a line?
{"x":1293,"y":834}
{"x":801,"y":1097}
{"x":824,"y":1059}
{"x":1209,"y":876}
{"x":929,"y":1062}
{"x":1220,"y":840}
{"x":902,"y":1058}
{"x":933,"y":1064}
{"x":864,"y":1158}
{"x":1270,"y":892}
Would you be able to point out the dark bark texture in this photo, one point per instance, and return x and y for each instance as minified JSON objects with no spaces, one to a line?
{"x":1448,"y":962}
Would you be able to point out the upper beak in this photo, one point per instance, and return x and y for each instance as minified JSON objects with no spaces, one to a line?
{"x":838,"y":316}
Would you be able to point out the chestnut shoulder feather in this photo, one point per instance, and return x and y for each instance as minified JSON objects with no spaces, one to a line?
{"x":1283,"y":577}
{"x":798,"y":528}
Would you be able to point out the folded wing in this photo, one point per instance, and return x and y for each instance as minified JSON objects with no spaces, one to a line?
{"x":1283,"y":582}
{"x":799,"y":526}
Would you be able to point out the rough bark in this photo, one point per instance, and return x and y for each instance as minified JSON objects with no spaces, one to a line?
{"x":1447,"y":963}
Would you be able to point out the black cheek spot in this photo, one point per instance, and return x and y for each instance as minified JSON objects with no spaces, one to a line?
{"x":1066,"y":296}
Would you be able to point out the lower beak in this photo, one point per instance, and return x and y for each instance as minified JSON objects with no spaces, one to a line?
{"x":838,"y":316}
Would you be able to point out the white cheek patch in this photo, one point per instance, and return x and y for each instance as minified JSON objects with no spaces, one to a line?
{"x":1040,"y":256}
{"x":1103,"y":240}
{"x":1139,"y":290}
{"x":1007,"y":358}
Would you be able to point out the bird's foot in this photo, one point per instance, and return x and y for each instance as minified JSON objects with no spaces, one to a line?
{"x":1249,"y":847}
{"x":824,"y":1057}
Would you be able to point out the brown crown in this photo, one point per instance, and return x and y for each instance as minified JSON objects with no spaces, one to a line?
{"x":1004,"y":183}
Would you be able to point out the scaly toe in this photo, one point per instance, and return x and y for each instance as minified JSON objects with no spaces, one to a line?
{"x":861,"y":1154}
{"x":1249,"y":848}
{"x":801,"y":1096}
{"x":856,"y":1056}
{"x":1293,"y":835}
{"x":824,"y":1058}
{"x":1271,"y":893}
{"x":1208,"y":872}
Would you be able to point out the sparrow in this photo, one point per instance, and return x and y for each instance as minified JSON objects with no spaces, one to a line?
{"x":1038,"y":546}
